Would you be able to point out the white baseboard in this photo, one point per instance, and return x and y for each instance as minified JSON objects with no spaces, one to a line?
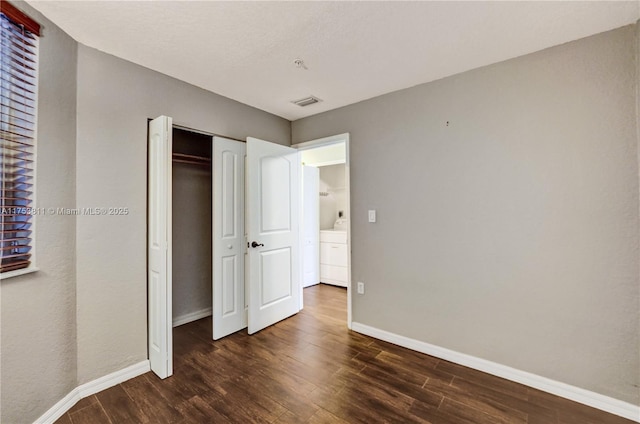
{"x":192,"y":316}
{"x":90,"y":388}
{"x":60,"y":408}
{"x":577,"y":394}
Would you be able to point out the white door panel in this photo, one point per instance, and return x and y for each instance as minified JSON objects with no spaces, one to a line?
{"x":273,"y":215}
{"x":275,"y":276}
{"x":159,"y":247}
{"x":228,"y":237}
{"x":310,"y":225}
{"x":275,"y":192}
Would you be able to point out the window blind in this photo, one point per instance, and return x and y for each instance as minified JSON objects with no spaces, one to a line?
{"x":18,"y":77}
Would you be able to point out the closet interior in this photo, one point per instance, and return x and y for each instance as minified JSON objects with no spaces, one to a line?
{"x":191,"y":226}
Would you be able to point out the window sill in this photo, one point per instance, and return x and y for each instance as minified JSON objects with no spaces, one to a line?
{"x":18,"y":272}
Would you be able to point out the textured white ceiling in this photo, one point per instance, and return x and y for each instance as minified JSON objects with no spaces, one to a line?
{"x":353,"y":50}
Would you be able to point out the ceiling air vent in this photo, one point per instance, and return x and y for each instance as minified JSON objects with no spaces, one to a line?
{"x":307,"y":101}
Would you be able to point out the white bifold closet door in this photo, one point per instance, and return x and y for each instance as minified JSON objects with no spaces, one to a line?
{"x":229,"y":246}
{"x":160,"y":318}
{"x":273,"y":220}
{"x":271,"y":213}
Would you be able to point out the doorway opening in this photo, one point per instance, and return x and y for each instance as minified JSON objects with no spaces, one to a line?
{"x":326,"y":246}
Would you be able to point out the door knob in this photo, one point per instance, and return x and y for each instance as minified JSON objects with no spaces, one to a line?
{"x":256,"y":244}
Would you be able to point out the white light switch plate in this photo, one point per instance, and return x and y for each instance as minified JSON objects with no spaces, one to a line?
{"x":372,"y":215}
{"x":360,"y":287}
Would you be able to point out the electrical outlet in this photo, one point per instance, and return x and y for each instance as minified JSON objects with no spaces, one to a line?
{"x":360,"y":287}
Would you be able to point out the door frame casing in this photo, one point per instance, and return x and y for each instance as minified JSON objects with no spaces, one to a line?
{"x":327,"y":141}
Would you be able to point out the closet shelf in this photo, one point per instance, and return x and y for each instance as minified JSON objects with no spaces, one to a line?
{"x":191,"y":159}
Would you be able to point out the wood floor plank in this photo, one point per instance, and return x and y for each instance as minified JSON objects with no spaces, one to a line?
{"x":316,"y":375}
{"x":183,"y":386}
{"x":465,"y":413}
{"x":311,"y":369}
{"x":432,"y":414}
{"x":240,"y":404}
{"x":484,"y":379}
{"x":352,"y":408}
{"x":290,"y":418}
{"x":288,"y":397}
{"x":150,"y":401}
{"x":65,"y":419}
{"x":352,"y":345}
{"x":279,"y":371}
{"x":411,"y":357}
{"x":387,"y":403}
{"x":498,"y":406}
{"x":119,"y":407}
{"x":197,"y":410}
{"x":387,"y":380}
{"x":83,"y":403}
{"x":483,"y":397}
{"x":401,"y":373}
{"x":325,"y":417}
{"x":426,"y":366}
{"x":93,"y":414}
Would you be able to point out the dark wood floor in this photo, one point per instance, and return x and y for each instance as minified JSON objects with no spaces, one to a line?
{"x":311,"y":369}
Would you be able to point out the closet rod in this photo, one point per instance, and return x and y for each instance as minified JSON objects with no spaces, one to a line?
{"x":182,"y":156}
{"x":192,"y":162}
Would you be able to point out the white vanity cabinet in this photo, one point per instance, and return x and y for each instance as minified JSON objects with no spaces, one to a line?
{"x":334,"y":257}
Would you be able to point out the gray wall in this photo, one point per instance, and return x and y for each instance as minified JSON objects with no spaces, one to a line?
{"x":38,"y":310}
{"x":115,"y":98}
{"x":191,"y":239}
{"x":332,"y":180}
{"x":510,"y":233}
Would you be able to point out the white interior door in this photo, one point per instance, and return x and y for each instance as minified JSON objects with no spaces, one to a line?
{"x":310,"y":226}
{"x":229,"y":313}
{"x":159,"y":246}
{"x":273,"y":215}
